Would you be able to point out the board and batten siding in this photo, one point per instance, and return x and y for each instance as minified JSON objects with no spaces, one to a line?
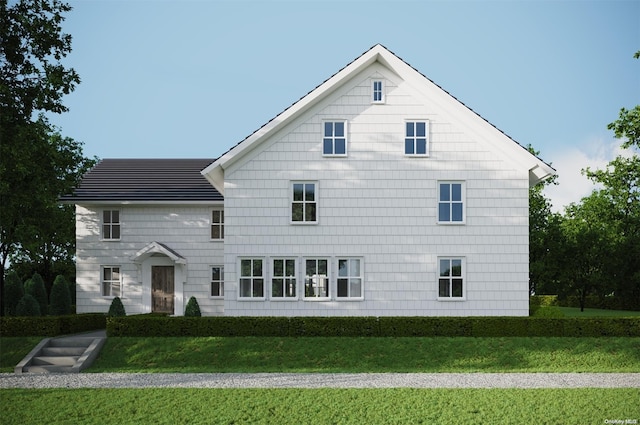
{"x":185,"y":229}
{"x":380,"y":205}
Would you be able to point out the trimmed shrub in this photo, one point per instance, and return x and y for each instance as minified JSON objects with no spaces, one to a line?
{"x":51,"y":325}
{"x":35,"y":288}
{"x":192,"y":309}
{"x":28,"y":306}
{"x":116,"y":309}
{"x":60,"y":297}
{"x":13,"y":293}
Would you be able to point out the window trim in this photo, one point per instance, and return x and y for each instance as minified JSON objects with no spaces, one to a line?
{"x":316,"y":201}
{"x":383,"y":97}
{"x":463,"y":200}
{"x":221,"y":282}
{"x":463,"y":276}
{"x":241,"y":277}
{"x":295,"y":277}
{"x":219,"y":224}
{"x":361,"y":276}
{"x":111,"y":224}
{"x":103,"y":281}
{"x":328,"y":279}
{"x":427,"y":137}
{"x":333,"y":138}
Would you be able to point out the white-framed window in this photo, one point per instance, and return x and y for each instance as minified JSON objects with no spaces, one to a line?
{"x":416,"y":138}
{"x":304,"y":202}
{"x":377,"y":91}
{"x":316,"y":278}
{"x":217,"y":282}
{"x":217,"y":224}
{"x":111,"y":224}
{"x":111,"y":281}
{"x":451,"y":201}
{"x":283,"y":279}
{"x":350,"y":278}
{"x":334,"y":138}
{"x":451,"y":278}
{"x":252,"y":278}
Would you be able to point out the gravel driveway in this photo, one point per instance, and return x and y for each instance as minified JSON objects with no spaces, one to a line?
{"x":322,"y":380}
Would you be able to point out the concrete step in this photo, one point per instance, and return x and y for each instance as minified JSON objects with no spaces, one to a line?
{"x":62,"y":351}
{"x":54,"y":361}
{"x":47,"y":369}
{"x":70,"y":342}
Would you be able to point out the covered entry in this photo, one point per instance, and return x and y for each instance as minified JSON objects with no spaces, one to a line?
{"x":162,"y":273}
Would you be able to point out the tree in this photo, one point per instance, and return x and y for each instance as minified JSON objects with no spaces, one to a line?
{"x":60,"y":297}
{"x":35,"y":288}
{"x":28,"y":306}
{"x":36,"y":161}
{"x":13,"y":293}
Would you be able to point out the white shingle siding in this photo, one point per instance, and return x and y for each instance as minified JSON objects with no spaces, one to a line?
{"x":184,"y":229}
{"x":381,"y":205}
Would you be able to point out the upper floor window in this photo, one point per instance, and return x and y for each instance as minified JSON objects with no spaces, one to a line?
{"x":111,"y":282}
{"x":450,"y":278}
{"x":283,"y":279}
{"x":377,"y":91}
{"x":451,"y":202}
{"x":252,"y":278}
{"x":304,"y":202}
{"x":334,"y":140}
{"x":217,"y":224}
{"x":349,"y":278}
{"x":316,"y":280}
{"x":416,"y":139}
{"x":111,"y":224}
{"x":217,"y":281}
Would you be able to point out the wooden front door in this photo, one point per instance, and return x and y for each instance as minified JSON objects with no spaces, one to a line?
{"x":162,"y":289}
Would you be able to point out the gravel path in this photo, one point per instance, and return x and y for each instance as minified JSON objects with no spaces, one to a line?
{"x":322,"y":380}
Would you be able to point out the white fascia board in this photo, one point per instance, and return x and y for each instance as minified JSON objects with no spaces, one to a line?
{"x":146,"y":203}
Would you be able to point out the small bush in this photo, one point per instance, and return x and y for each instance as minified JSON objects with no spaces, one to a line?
{"x":13,"y":293}
{"x":116,"y":309}
{"x":28,"y":306}
{"x":35,"y":288}
{"x":192,"y":309}
{"x":60,"y":297}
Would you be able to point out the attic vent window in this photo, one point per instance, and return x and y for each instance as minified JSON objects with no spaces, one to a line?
{"x":378,"y":91}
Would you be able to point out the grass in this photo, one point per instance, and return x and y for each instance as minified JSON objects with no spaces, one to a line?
{"x":340,"y":354}
{"x":319,"y":406}
{"x":594,"y":312}
{"x":13,"y":349}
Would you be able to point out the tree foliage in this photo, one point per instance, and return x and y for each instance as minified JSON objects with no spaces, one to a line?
{"x":13,"y":293}
{"x":116,"y":309}
{"x":35,"y":288}
{"x":60,"y":297}
{"x":28,"y":306}
{"x":193,"y":308}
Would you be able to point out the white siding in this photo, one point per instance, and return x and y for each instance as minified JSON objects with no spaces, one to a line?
{"x":381,"y":205}
{"x":185,"y":229}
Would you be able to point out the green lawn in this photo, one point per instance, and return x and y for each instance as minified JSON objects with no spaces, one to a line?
{"x":319,"y":406}
{"x":594,"y":312}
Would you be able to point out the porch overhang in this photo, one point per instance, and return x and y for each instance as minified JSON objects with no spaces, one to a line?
{"x":155,"y":248}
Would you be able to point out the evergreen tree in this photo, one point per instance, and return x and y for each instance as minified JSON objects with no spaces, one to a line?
{"x":35,"y":288}
{"x":116,"y":309}
{"x":13,"y":293}
{"x":192,"y":309}
{"x":28,"y":306}
{"x":60,"y":297}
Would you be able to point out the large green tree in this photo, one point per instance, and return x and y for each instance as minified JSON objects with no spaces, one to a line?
{"x":38,"y":164}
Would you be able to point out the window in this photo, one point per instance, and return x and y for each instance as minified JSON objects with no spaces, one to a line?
{"x":334,"y":141}
{"x":304,"y":203}
{"x":217,"y":224}
{"x":111,"y":224}
{"x":416,"y":138}
{"x":451,"y":202}
{"x":451,"y":278}
{"x":217,"y":281}
{"x":378,"y":91}
{"x":111,"y":283}
{"x":349,"y":278}
{"x":251,"y":278}
{"x":283,"y":279}
{"x":316,"y":281}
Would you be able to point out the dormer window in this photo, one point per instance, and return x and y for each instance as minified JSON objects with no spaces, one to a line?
{"x":377,"y":91}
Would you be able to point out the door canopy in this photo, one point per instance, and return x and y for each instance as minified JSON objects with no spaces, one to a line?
{"x":155,"y":248}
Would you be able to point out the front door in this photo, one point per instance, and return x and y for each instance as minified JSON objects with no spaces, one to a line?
{"x":162,"y":289}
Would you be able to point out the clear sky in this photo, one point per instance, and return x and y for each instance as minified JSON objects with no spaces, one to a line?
{"x":184,"y":79}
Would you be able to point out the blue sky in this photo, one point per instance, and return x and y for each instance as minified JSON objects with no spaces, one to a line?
{"x":188,"y":79}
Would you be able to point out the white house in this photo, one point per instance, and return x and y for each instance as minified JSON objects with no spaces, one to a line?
{"x":376,"y":194}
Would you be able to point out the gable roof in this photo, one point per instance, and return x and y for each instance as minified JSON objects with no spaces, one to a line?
{"x":452,"y":107}
{"x":158,"y":248}
{"x":148,"y":180}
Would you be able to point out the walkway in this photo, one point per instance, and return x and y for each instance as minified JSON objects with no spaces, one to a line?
{"x":322,"y":380}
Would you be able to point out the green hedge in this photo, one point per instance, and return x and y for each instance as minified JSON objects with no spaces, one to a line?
{"x":158,"y":326}
{"x":51,"y":325}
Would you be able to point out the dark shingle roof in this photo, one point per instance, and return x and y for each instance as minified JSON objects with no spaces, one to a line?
{"x":145,"y":180}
